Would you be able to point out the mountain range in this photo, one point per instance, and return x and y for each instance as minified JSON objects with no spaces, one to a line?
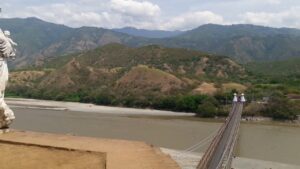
{"x":39,"y":40}
{"x":148,"y":33}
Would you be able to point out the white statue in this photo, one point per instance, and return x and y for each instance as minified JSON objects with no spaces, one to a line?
{"x":7,"y":51}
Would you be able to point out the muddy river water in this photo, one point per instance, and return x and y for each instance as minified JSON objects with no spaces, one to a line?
{"x":266,"y":142}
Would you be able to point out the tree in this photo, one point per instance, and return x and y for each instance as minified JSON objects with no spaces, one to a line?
{"x":280,"y":108}
{"x":186,"y":103}
{"x":189,"y":103}
{"x":206,"y":109}
{"x":168,"y":103}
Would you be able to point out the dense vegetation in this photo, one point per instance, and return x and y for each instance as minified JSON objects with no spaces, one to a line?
{"x":202,"y":105}
{"x":278,"y":82}
{"x":278,"y":69}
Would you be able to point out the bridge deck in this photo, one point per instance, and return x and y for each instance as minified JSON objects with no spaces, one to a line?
{"x":220,"y":151}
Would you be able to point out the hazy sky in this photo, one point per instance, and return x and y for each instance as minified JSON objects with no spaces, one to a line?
{"x":157,"y":14}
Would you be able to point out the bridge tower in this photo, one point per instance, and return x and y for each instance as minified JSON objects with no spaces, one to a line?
{"x":243,"y":100}
{"x":235,"y":98}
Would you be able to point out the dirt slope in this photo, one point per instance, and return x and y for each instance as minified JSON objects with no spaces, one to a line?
{"x":121,"y":154}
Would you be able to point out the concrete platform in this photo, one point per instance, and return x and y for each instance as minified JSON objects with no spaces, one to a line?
{"x":190,"y":160}
{"x":118,"y":154}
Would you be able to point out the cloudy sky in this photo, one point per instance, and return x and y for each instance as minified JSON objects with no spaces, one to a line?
{"x":157,"y":14}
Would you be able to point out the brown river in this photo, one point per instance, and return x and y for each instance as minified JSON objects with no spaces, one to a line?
{"x":280,"y":143}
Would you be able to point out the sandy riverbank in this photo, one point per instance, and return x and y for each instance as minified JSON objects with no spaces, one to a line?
{"x":84,"y":107}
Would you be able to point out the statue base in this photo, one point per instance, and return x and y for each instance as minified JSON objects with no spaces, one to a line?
{"x":6,"y":117}
{"x":4,"y":130}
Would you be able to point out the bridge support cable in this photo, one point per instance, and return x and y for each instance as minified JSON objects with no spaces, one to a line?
{"x":201,"y":143}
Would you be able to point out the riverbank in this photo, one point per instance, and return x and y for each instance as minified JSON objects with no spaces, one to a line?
{"x":258,"y":120}
{"x":85,"y":107}
{"x":131,"y":112}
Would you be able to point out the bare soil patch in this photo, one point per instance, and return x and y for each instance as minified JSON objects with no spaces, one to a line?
{"x":120,"y":154}
{"x":206,"y":88}
{"x":231,"y":86}
{"x":34,"y":157}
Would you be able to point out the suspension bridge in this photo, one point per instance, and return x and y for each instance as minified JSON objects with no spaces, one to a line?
{"x":219,"y":154}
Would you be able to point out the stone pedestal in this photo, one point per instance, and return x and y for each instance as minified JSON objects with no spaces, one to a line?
{"x":4,"y":121}
{"x":4,"y":130}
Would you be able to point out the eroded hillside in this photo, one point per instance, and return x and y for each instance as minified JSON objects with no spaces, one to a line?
{"x":118,"y":72}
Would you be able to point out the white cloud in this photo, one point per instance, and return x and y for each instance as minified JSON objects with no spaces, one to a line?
{"x":260,"y":18}
{"x":290,"y":17}
{"x":270,"y":2}
{"x":160,"y":15}
{"x":109,"y":14}
{"x":192,"y":19}
{"x":135,"y":8}
{"x":273,"y":1}
{"x":119,"y":13}
{"x":69,"y":14}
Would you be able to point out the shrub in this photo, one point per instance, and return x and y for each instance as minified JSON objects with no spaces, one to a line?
{"x":168,"y":103}
{"x":206,"y":109}
{"x":103,"y":99}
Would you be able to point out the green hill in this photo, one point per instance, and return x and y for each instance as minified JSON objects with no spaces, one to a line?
{"x":155,"y":77}
{"x":38,"y":40}
{"x":276,"y":68}
{"x":119,"y":73}
{"x":244,"y":43}
{"x":283,"y":74}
